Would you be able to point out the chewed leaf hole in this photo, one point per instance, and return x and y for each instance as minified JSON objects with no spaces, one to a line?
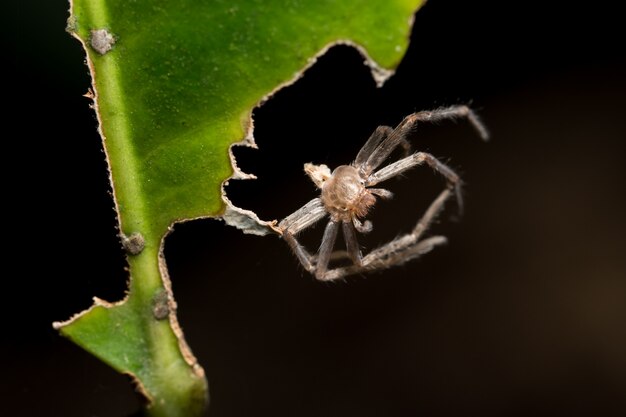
{"x":322,"y":118}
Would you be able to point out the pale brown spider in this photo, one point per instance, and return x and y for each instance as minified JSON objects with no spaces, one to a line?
{"x":346,"y":197}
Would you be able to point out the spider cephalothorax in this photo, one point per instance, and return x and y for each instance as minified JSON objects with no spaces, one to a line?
{"x":347,"y":196}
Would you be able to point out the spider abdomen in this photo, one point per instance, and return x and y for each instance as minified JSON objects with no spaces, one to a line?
{"x":344,"y":194}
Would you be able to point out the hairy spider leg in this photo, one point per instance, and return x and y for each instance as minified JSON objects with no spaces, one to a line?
{"x":326,"y":248}
{"x":398,"y":135}
{"x":399,"y":250}
{"x":372,"y":143}
{"x":352,"y":244}
{"x":306,"y":216}
{"x":398,"y":167}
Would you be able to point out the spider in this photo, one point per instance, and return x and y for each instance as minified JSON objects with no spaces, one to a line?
{"x":348,"y":193}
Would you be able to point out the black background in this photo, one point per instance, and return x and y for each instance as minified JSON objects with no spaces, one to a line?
{"x":522,"y":313}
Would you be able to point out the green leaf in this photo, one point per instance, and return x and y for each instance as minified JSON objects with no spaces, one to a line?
{"x":174,"y":85}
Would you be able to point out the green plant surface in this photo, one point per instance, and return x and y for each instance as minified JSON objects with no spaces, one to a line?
{"x":174,"y":86}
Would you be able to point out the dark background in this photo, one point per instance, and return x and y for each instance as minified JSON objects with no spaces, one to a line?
{"x":522,"y":313}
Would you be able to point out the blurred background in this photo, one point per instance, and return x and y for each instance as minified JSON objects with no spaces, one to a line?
{"x":522,"y":313}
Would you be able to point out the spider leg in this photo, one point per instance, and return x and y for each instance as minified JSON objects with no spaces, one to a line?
{"x":374,"y":140}
{"x":431,"y":213}
{"x":326,"y":249}
{"x":352,"y":251}
{"x":381,"y":192}
{"x":335,"y":255}
{"x":399,"y":134}
{"x":414,"y":160}
{"x":352,"y":245}
{"x":384,"y":257}
{"x":302,"y":218}
{"x":301,"y":253}
{"x":400,"y":250}
{"x":407,"y":247}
